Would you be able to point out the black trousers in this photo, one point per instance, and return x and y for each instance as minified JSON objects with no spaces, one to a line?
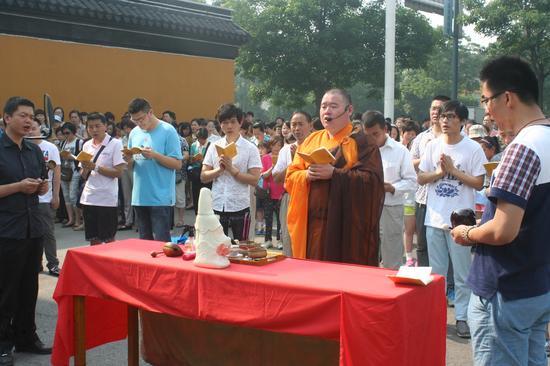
{"x":271,"y":207}
{"x":196,"y":185}
{"x":422,"y":249}
{"x":239,"y":221}
{"x":20,"y":261}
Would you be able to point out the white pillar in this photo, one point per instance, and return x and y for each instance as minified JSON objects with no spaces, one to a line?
{"x":389,"y":74}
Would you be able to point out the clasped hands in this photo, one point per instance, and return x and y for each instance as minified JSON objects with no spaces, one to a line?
{"x":319,"y":172}
{"x":446,"y":165}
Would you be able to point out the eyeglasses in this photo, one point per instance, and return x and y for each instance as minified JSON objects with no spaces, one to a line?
{"x":67,"y":133}
{"x":448,"y":116}
{"x":486,"y":100}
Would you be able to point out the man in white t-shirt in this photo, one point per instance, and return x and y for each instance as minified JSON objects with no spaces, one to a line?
{"x":100,"y":194}
{"x":417,"y":150}
{"x":49,"y":202}
{"x":300,"y":126}
{"x":452,"y":168}
{"x":399,"y":177}
{"x":232,"y":177}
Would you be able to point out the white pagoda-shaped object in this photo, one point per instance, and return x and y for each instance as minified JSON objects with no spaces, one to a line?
{"x":212,"y":245}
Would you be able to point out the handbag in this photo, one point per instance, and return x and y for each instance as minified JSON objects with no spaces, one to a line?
{"x":66,"y":173}
{"x":179,"y":176}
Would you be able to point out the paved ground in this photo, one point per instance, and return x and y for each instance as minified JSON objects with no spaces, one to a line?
{"x":114,"y":354}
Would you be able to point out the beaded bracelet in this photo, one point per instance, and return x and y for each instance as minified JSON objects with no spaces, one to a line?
{"x":466,"y":234}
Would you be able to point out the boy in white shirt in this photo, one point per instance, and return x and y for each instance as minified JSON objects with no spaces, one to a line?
{"x":100,"y":194}
{"x":399,"y":177}
{"x":232,"y":177}
{"x":452,"y":167}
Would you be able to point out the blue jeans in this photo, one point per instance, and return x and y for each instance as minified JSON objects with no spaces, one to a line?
{"x":154,"y":222}
{"x":509,"y":332}
{"x":440,"y":247}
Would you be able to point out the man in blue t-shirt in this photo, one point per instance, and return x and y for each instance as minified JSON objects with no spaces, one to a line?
{"x":155,"y":164}
{"x":510,"y":274}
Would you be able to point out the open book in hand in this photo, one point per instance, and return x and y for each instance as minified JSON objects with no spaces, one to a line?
{"x":84,"y":156}
{"x":65,"y":154}
{"x":198,"y":157}
{"x":318,"y":156}
{"x":229,"y":151}
{"x":133,"y":151}
{"x":413,"y":275}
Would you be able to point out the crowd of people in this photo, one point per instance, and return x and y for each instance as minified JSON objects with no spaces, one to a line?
{"x":388,"y":182}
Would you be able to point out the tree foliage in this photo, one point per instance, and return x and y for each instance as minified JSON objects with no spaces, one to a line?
{"x":521,"y":27}
{"x":299,"y":48}
{"x":417,"y":87}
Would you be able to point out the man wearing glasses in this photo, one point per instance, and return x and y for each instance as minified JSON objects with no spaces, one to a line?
{"x":452,"y":169}
{"x":510,"y":275}
{"x":154,"y":191}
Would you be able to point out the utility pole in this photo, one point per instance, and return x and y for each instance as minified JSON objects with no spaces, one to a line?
{"x":456,"y":36}
{"x":389,"y":73}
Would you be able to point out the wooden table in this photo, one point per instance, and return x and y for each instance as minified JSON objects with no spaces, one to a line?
{"x":375,"y":321}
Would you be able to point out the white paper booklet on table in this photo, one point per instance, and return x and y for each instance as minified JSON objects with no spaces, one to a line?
{"x":413,"y":275}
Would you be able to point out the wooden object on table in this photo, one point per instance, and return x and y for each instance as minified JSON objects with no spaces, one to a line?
{"x":271,"y":257}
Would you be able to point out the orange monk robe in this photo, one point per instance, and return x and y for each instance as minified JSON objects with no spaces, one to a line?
{"x":358,"y":161}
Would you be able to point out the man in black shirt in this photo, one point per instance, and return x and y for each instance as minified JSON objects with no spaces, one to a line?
{"x":21,"y":170}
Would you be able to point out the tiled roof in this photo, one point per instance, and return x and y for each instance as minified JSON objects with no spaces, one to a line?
{"x":178,"y":20}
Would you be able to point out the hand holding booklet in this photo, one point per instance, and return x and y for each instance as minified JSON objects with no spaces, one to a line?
{"x":84,"y":156}
{"x":133,"y":151}
{"x":197,"y":158}
{"x":413,"y":276}
{"x":229,"y":151}
{"x":318,"y":156}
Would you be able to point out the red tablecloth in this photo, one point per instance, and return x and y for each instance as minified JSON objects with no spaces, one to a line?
{"x":376,"y":321}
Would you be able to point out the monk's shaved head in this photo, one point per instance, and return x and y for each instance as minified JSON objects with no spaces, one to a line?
{"x":344,"y":94}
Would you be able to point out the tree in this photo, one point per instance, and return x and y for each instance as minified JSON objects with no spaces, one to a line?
{"x":299,"y":48}
{"x":416,"y":87}
{"x":521,"y":27}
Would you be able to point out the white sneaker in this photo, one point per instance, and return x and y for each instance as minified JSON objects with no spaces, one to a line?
{"x":279,"y":245}
{"x":268,"y":244}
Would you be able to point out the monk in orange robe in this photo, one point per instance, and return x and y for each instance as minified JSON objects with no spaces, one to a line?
{"x":334,"y":210}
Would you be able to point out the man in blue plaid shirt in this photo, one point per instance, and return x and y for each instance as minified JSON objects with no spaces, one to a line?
{"x":509,"y":308}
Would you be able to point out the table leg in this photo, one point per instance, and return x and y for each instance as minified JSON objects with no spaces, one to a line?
{"x":79,"y":330}
{"x":133,"y":336}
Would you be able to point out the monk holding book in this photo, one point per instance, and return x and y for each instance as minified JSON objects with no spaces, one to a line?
{"x":336,"y":198}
